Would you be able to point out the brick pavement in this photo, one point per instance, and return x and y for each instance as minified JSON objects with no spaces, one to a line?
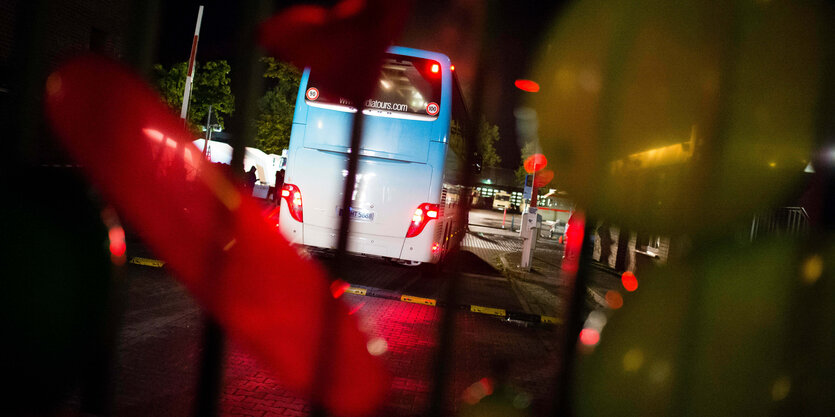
{"x":160,"y":347}
{"x":410,"y":332}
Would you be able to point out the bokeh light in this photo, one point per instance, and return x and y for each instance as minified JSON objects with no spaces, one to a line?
{"x":377,"y":346}
{"x":527,"y":85}
{"x":780,"y":388}
{"x":659,"y":372}
{"x":633,"y":360}
{"x":542,"y":178}
{"x":338,"y":287}
{"x":535,"y":163}
{"x":116,"y":235}
{"x":477,"y":391}
{"x":629,"y":281}
{"x":614,"y":299}
{"x":812,"y":269}
{"x":589,"y":336}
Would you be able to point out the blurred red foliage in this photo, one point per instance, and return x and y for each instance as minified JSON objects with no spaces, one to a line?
{"x":344,"y":44}
{"x":212,"y":236}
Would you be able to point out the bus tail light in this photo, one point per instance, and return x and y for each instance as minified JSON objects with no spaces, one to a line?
{"x":291,"y":194}
{"x":423,"y":214}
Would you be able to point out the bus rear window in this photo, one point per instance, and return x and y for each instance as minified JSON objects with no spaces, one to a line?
{"x":406,"y":85}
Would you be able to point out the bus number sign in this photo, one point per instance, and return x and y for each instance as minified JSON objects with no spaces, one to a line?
{"x":432,"y":108}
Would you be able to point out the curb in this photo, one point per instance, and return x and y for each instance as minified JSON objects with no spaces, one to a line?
{"x":147,"y":262}
{"x":512,"y":272}
{"x":391,"y":295}
{"x":490,"y":311}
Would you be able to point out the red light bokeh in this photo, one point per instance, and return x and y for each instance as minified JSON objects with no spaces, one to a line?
{"x":629,"y":281}
{"x":535,"y":163}
{"x":527,"y":85}
{"x":214,"y":238}
{"x":589,"y":337}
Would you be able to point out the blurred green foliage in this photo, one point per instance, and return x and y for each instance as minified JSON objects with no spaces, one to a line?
{"x":488,"y":135}
{"x":658,"y":112}
{"x":276,"y":107}
{"x":210,"y":88}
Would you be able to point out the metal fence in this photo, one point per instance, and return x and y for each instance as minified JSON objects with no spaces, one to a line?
{"x":28,"y":70}
{"x":788,"y":221}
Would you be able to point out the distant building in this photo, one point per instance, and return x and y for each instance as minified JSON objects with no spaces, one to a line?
{"x":35,"y":37}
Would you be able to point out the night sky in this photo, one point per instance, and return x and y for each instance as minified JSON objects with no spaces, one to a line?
{"x":451,"y":27}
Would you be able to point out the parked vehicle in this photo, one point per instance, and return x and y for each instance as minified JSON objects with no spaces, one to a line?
{"x":406,"y":194}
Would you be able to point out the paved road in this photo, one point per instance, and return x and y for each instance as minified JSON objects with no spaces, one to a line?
{"x":160,"y":343}
{"x":160,"y":347}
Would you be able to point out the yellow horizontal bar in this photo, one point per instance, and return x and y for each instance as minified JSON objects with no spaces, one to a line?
{"x":355,"y":290}
{"x":552,"y":320}
{"x":488,"y":310}
{"x":147,"y":262}
{"x":417,"y":300}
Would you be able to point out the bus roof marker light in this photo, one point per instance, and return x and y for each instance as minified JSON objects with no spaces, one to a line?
{"x":452,"y":67}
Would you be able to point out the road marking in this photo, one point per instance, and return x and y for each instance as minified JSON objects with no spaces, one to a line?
{"x":355,"y":290}
{"x":147,"y":262}
{"x":417,"y":300}
{"x":488,"y":310}
{"x":499,"y":312}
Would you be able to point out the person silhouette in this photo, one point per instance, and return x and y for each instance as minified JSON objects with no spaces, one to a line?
{"x":251,"y":178}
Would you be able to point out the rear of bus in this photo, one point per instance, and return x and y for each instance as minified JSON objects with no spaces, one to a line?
{"x":395,"y":202}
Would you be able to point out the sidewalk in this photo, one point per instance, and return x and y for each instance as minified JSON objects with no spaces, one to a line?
{"x":537,"y":289}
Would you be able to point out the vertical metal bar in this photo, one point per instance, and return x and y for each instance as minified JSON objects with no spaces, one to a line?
{"x":446,"y":340}
{"x":143,"y":35}
{"x":211,"y":369}
{"x":97,"y":389}
{"x":28,"y":72}
{"x":328,"y":333}
{"x":576,"y":290}
{"x":247,"y":83}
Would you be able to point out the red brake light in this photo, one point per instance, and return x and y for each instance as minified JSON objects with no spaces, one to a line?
{"x":422,"y":215}
{"x":293,"y":196}
{"x":436,"y":68}
{"x":452,"y":67}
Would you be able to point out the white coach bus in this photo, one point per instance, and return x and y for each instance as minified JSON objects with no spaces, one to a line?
{"x":406,"y":194}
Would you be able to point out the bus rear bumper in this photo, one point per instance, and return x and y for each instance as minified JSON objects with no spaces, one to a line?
{"x":375,"y":245}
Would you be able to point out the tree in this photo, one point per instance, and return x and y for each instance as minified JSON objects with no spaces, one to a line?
{"x":210,"y":88}
{"x":276,"y":107}
{"x":527,"y":150}
{"x":488,"y":135}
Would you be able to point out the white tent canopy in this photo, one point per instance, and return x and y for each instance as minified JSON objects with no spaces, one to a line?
{"x":265,"y":165}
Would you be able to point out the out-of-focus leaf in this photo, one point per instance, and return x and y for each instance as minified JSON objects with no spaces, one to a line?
{"x":211,"y":235}
{"x":655,"y":113}
{"x":737,"y":331}
{"x":344,"y":44}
